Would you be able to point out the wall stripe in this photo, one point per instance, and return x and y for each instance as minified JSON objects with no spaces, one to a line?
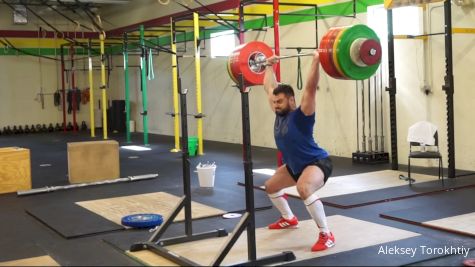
{"x":46,"y":34}
{"x":338,"y":9}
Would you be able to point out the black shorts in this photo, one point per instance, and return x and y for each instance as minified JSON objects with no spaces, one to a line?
{"x":324,"y":164}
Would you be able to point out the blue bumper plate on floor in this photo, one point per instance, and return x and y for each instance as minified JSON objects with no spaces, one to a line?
{"x":144,"y":220}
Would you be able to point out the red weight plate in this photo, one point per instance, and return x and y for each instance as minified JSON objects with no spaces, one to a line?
{"x":233,"y":63}
{"x":334,"y":39}
{"x":336,"y":53}
{"x":331,"y":44}
{"x":370,"y":52}
{"x":240,"y":58}
{"x":326,"y":53}
{"x":230,"y":72}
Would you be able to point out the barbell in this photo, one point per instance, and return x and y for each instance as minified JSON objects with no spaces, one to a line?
{"x":349,"y":53}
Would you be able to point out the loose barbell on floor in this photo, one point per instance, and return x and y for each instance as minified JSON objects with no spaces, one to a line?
{"x":350,"y":53}
{"x":48,"y":189}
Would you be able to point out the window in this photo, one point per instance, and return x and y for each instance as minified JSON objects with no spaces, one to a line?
{"x":406,"y":20}
{"x":222,"y":43}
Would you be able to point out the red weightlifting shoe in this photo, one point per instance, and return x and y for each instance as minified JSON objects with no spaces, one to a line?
{"x":283,"y":223}
{"x":325,"y":241}
{"x":469,"y":262}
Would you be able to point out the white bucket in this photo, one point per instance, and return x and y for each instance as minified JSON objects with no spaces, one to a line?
{"x":206,"y":174}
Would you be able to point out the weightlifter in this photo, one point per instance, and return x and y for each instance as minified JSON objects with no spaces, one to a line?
{"x":306,"y":164}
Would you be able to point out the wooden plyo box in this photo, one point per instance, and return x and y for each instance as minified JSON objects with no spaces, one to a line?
{"x":93,"y":161}
{"x":15,"y":169}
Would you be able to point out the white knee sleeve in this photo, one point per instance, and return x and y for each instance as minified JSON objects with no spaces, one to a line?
{"x":276,"y":194}
{"x":312,"y":198}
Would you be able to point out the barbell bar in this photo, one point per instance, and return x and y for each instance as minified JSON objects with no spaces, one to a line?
{"x":350,"y":52}
{"x":258,"y":63}
{"x":364,"y":60}
{"x":261,"y":61}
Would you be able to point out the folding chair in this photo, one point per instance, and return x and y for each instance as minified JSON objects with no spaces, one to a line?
{"x":423,"y":144}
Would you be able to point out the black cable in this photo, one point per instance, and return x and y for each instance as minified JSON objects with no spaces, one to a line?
{"x":92,"y":16}
{"x":72,"y":9}
{"x":57,"y":98}
{"x":157,"y":47}
{"x":109,"y":64}
{"x":69,"y":98}
{"x":77,"y":94}
{"x":66,"y":17}
{"x":214,"y":13}
{"x":147,"y":69}
{"x":225,"y":24}
{"x":42,"y":19}
{"x":299,"y":71}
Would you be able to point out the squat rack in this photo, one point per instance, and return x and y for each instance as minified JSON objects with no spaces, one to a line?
{"x":196,"y":18}
{"x":155,"y":244}
{"x":448,"y":87}
{"x":197,"y":56}
{"x":143,"y":77}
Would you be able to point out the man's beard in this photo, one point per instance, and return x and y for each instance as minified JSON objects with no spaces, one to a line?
{"x":283,"y":112}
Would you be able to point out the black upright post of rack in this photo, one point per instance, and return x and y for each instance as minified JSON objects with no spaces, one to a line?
{"x":247,"y":221}
{"x":248,"y":176}
{"x":155,"y":244}
{"x":392,"y":92}
{"x":448,"y":87}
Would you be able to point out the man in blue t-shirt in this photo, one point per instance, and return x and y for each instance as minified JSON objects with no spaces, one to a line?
{"x":307,"y":165}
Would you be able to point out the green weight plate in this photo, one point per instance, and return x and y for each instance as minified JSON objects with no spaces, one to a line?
{"x":350,"y":69}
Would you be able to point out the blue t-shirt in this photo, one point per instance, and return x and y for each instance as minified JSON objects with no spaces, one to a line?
{"x":293,"y":134}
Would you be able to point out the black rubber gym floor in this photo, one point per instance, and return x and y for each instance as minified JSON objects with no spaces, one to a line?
{"x":369,"y":197}
{"x":24,"y":236}
{"x":448,"y":205}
